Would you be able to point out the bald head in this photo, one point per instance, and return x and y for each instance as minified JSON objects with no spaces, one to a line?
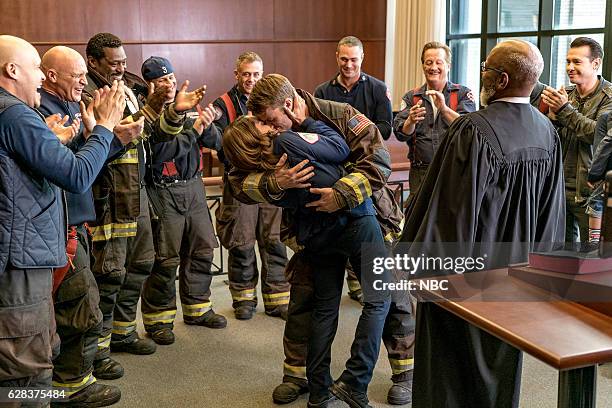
{"x":20,"y":72}
{"x":65,"y":72}
{"x":521,"y":64}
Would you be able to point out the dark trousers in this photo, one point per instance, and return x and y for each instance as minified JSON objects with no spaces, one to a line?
{"x":121,"y":266}
{"x":42,"y":380}
{"x":184,"y":237}
{"x":415,"y":179}
{"x":459,"y":365}
{"x":239,"y":226}
{"x":79,"y":322}
{"x":27,"y":328}
{"x":398,"y":332}
{"x":328,"y":265}
{"x":576,"y":219}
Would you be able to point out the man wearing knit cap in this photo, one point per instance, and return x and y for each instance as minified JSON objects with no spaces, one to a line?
{"x":183,"y":233}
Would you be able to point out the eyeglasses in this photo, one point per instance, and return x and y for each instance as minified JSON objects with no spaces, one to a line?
{"x":76,"y":77}
{"x":484,"y":68}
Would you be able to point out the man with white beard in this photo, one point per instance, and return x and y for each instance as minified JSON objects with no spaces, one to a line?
{"x":496,"y":177}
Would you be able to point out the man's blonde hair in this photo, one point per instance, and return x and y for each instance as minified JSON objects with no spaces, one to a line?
{"x":247,"y":148}
{"x":269,"y":92}
{"x":434,"y":45}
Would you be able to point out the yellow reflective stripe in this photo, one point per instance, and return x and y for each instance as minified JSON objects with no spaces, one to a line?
{"x":275,"y":295}
{"x":113,"y":230}
{"x":275,"y":299}
{"x":167,"y":128}
{"x":392,"y":236}
{"x":196,"y":310}
{"x":276,"y":302}
{"x":242,"y":295}
{"x":293,"y":371}
{"x":251,"y":187}
{"x":124,"y":327}
{"x":129,"y":157}
{"x":360,"y":185}
{"x":399,"y":366}
{"x":353,"y":285}
{"x":167,"y":316}
{"x":71,"y":388}
{"x":104,"y":342}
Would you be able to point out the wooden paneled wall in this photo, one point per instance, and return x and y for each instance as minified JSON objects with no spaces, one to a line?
{"x":202,"y":38}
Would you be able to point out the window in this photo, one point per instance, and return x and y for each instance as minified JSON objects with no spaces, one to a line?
{"x":475,"y":26}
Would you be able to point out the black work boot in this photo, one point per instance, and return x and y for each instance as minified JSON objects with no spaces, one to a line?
{"x":244,"y":312}
{"x":94,"y":395}
{"x":289,"y":391}
{"x":320,"y":402}
{"x":346,"y":393}
{"x":400,"y":393}
{"x":163,"y":336}
{"x":279,"y":311}
{"x":107,"y":369}
{"x":138,"y":346}
{"x":209,"y":319}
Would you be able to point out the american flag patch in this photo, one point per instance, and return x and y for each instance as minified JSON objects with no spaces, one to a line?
{"x":358,"y":122}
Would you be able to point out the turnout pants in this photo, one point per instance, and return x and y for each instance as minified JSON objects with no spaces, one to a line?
{"x":398,"y":331}
{"x":121,"y":265}
{"x":79,"y":322}
{"x":239,"y":226}
{"x":27,"y":329}
{"x":183,"y":236}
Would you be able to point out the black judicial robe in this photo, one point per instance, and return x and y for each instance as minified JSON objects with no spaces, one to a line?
{"x":486,"y":184}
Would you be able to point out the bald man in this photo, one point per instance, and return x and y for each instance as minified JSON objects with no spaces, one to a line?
{"x":34,"y":165}
{"x":497,"y":177}
{"x":76,"y":300}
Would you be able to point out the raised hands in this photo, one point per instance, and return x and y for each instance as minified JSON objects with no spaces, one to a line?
{"x":207,"y":116}
{"x":158,"y":97}
{"x":88,"y":117}
{"x":554,"y":98}
{"x":65,"y":134}
{"x":416,"y":114}
{"x":109,"y":104}
{"x":188,"y":100}
{"x":126,"y":131}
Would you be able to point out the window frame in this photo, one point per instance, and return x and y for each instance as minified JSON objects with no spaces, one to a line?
{"x":489,"y":34}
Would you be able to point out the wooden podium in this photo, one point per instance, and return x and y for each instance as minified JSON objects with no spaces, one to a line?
{"x":517,"y":306}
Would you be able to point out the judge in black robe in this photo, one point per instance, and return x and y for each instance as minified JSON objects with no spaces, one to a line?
{"x":497,"y":177}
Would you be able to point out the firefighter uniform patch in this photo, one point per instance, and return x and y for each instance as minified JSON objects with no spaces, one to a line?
{"x":358,"y":122}
{"x":311,"y":138}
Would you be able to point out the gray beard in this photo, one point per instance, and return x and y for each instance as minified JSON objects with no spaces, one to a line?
{"x":485,"y":95}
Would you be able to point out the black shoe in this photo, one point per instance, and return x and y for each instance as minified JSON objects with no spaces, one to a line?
{"x":107,"y":369}
{"x":163,"y":336}
{"x":357,"y":295}
{"x":321,"y":402}
{"x":289,"y":391}
{"x":94,"y":395}
{"x":400,"y":393}
{"x":138,"y":346}
{"x":353,"y":398}
{"x":279,"y":311}
{"x":209,"y":319}
{"x":244,"y":312}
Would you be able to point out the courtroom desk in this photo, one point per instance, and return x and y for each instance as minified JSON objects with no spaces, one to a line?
{"x":565,"y":335}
